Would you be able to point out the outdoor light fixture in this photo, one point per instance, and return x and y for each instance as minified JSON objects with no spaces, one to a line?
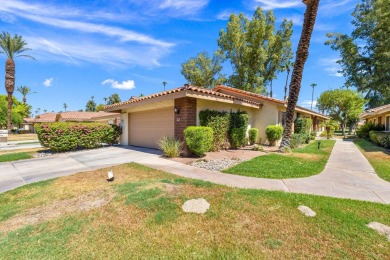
{"x":177,"y":110}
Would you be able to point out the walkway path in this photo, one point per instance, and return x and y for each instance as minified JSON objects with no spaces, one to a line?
{"x":347,"y":174}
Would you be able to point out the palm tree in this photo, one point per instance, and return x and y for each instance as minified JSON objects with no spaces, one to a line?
{"x":287,"y":67}
{"x":45,"y":111}
{"x":65,"y":106}
{"x":164,"y":83}
{"x":12,"y":47}
{"x":312,"y":94}
{"x":105,"y":100}
{"x":300,"y":59}
{"x":24,"y":90}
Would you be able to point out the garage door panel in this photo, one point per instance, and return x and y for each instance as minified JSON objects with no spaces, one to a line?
{"x":146,"y":128}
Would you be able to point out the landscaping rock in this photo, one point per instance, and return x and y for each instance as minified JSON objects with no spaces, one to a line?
{"x":308,"y":212}
{"x":380,"y":228}
{"x":198,"y":206}
{"x":218,"y":164}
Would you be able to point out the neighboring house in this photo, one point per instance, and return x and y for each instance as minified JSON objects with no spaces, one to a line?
{"x":71,"y":116}
{"x":379,"y":115}
{"x":145,"y":120}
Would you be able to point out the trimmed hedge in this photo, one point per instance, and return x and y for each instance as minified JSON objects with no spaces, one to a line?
{"x":302,"y":125}
{"x":199,"y":139}
{"x":65,"y":136}
{"x":219,"y":122}
{"x":222,"y":124}
{"x":273,"y":133}
{"x":253,"y":135}
{"x":364,"y":130}
{"x":297,"y":139}
{"x":380,"y":138}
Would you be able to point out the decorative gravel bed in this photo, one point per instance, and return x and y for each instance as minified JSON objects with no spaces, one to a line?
{"x":217,"y":164}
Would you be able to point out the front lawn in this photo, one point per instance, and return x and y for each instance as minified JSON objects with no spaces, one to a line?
{"x":378,"y":157}
{"x":302,"y":162}
{"x":139,"y":216}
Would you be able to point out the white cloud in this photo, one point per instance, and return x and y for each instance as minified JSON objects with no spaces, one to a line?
{"x":224,"y":15}
{"x":48,"y":82}
{"x":184,"y":6}
{"x":126,"y":84}
{"x":307,"y":103}
{"x":331,"y":66}
{"x":278,"y":4}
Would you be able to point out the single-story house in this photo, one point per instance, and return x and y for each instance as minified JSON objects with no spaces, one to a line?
{"x":145,"y":120}
{"x":71,"y":116}
{"x":379,"y":115}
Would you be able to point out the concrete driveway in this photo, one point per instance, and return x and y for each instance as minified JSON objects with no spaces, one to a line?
{"x":18,"y":173}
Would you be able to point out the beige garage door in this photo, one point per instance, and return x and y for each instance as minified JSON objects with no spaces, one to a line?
{"x":146,"y":128}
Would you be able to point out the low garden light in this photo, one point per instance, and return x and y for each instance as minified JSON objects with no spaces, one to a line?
{"x":177,"y":110}
{"x":319,"y":145}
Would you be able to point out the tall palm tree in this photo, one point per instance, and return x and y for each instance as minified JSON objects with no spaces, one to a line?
{"x":300,"y":59}
{"x":13,"y":47}
{"x":65,"y":106}
{"x":287,"y":67}
{"x":312,"y":94}
{"x":164,"y":83}
{"x":24,"y":90}
{"x":105,"y":100}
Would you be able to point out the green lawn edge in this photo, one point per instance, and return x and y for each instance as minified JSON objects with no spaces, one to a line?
{"x":381,"y":164}
{"x":298,"y":164}
{"x":15,"y":156}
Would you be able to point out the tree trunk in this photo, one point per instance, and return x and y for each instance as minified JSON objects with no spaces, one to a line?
{"x":301,"y":57}
{"x":285,"y":86}
{"x":351,"y":126}
{"x":343,"y":128}
{"x":24,"y":99}
{"x":271,"y":89}
{"x":9,"y":86}
{"x":312,"y":99}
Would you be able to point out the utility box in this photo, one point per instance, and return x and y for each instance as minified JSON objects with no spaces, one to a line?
{"x":3,"y":137}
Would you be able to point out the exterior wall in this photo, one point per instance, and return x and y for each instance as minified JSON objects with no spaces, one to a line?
{"x":380,"y":119}
{"x":185,"y":117}
{"x":124,"y":122}
{"x":268,"y":115}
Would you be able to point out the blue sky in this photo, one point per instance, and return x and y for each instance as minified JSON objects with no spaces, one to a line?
{"x":97,"y":47}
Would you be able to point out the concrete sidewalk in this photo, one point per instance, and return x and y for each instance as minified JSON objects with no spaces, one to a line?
{"x":347,"y":174}
{"x":18,"y":145}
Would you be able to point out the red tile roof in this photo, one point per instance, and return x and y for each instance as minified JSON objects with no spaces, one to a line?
{"x":265,"y":98}
{"x":183,"y":88}
{"x":83,"y":116}
{"x":376,"y":110}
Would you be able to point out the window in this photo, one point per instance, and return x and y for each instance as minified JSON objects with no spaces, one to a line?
{"x":387,"y":127}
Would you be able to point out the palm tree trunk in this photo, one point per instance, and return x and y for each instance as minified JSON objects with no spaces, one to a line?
{"x":285,"y":86}
{"x":301,"y":57}
{"x":271,"y":89}
{"x":312,"y":99}
{"x":9,"y":86}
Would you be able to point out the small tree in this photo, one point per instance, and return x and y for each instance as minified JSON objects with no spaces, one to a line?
{"x":329,"y":126}
{"x":341,"y":105}
{"x":113,"y":99}
{"x":204,"y":71}
{"x":91,"y":105}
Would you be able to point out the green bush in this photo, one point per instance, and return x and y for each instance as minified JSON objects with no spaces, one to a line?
{"x":295,"y":141}
{"x":364,"y":130}
{"x":273,"y":133}
{"x":253,"y":135}
{"x":238,"y":120}
{"x":236,"y":138}
{"x":380,"y":138}
{"x":219,"y":122}
{"x":313,"y":135}
{"x":302,"y":125}
{"x":64,"y":136}
{"x":170,"y":146}
{"x":199,"y":139}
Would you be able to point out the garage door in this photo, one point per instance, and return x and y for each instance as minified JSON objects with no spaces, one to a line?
{"x":146,"y":128}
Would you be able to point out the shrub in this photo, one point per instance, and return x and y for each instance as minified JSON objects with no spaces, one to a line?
{"x":219,"y":122}
{"x":238,"y":120}
{"x":364,"y":130}
{"x":253,"y":135}
{"x":257,"y":147}
{"x":64,"y":136}
{"x":313,"y":135}
{"x":302,"y":125}
{"x":295,"y":141}
{"x":236,"y":138}
{"x":380,"y":138}
{"x":170,"y":146}
{"x":273,"y":133}
{"x":199,"y":139}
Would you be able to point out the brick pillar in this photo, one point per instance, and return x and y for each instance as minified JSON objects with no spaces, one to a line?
{"x":186,"y":117}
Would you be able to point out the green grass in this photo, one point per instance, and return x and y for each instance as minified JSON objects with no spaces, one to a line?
{"x":302,"y":162}
{"x":378,"y":157}
{"x":144,"y":220}
{"x":15,"y":156}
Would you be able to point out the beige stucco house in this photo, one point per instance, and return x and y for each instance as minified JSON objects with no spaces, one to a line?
{"x":378,"y":115}
{"x":146,"y":119}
